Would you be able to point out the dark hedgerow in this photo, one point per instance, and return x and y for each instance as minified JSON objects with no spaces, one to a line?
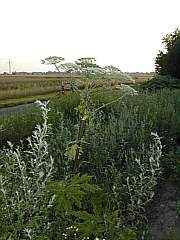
{"x":161,"y":82}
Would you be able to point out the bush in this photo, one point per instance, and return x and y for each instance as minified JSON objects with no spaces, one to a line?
{"x":17,"y":126}
{"x":161,"y":82}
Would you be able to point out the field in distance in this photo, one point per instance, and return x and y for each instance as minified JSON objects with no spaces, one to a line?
{"x":142,"y":77}
{"x":26,"y":86}
{"x":14,"y":86}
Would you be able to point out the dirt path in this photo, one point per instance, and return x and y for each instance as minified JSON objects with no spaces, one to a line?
{"x":163,"y":220}
{"x":9,"y":110}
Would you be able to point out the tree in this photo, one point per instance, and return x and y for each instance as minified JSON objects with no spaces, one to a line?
{"x":167,"y":62}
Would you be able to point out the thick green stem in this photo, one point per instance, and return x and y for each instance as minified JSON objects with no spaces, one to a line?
{"x":82,"y":128}
{"x":62,"y":82}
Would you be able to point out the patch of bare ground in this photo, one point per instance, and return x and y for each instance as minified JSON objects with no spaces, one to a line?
{"x":164,"y":223}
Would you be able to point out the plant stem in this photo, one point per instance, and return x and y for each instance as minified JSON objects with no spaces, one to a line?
{"x":62,"y":84}
{"x":82,"y":128}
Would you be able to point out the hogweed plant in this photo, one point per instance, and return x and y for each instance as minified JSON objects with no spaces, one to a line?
{"x":55,"y":61}
{"x":86,"y":115}
{"x":90,"y":71}
{"x":116,"y":73}
{"x":24,"y":176}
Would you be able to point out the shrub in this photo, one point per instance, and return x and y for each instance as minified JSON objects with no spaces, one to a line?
{"x":161,"y":82}
{"x":17,"y":126}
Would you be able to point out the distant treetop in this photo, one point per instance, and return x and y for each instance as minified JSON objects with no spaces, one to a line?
{"x":167,"y":62}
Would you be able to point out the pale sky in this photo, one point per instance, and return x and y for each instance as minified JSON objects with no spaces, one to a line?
{"x":124,"y":33}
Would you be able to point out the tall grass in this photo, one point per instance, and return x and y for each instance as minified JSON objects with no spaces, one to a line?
{"x":15,"y":87}
{"x":17,"y":126}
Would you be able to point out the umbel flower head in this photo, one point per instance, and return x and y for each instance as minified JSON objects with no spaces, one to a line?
{"x":69,"y":67}
{"x":125,"y":89}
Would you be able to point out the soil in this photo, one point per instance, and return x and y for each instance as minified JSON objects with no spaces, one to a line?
{"x":163,"y":220}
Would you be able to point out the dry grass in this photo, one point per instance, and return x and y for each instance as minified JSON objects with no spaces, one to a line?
{"x":23,"y":86}
{"x":14,"y":86}
{"x":143,"y":78}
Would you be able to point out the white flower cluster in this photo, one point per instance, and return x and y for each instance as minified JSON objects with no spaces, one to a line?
{"x":125,"y":89}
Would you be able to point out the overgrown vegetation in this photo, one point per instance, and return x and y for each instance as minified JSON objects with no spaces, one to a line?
{"x":161,"y":82}
{"x":66,"y":209}
{"x":92,"y":164}
{"x":117,"y":151}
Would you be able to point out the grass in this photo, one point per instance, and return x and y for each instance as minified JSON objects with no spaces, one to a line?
{"x":17,"y":126}
{"x":18,"y":87}
{"x":141,"y":77}
{"x":25,"y":100}
{"x":12,"y":87}
{"x":16,"y":90}
{"x":153,"y":106}
{"x":118,"y":135}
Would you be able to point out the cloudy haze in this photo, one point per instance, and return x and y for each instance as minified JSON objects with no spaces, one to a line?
{"x":124,"y":33}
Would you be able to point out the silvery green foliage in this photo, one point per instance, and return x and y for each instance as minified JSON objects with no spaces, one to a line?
{"x":23,"y":179}
{"x":140,"y":182}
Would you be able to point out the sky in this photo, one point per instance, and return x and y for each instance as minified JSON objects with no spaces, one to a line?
{"x":123,"y":33}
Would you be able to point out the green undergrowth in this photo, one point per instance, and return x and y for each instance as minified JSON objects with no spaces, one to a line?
{"x":161,"y":82}
{"x":17,"y":126}
{"x":125,"y":148}
{"x":160,"y":112}
{"x":126,"y":123}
